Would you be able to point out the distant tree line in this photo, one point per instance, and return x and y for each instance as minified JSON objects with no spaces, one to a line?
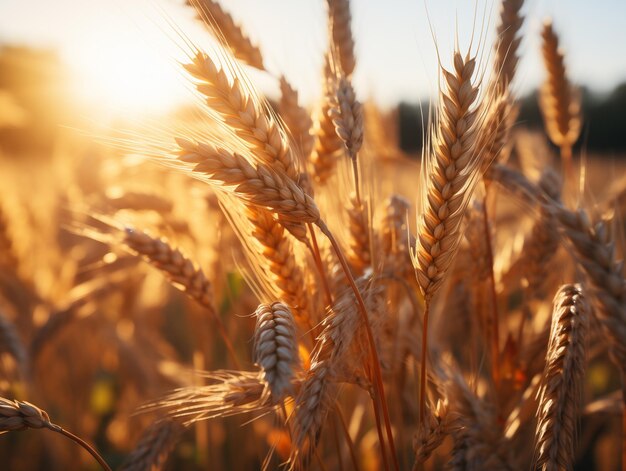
{"x":604,"y":116}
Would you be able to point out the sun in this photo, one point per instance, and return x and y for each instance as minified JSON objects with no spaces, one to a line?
{"x":127,"y":71}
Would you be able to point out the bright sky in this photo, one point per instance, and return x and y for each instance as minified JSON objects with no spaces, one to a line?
{"x":125,"y":52}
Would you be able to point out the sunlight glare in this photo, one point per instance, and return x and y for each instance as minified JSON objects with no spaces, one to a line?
{"x":126,"y":69}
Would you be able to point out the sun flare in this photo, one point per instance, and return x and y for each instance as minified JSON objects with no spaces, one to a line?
{"x":126,"y":70}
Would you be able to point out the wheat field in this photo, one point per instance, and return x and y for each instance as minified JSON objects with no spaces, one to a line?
{"x":261,"y":284}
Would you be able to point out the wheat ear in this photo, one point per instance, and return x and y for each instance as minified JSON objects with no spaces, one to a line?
{"x":297,"y":118}
{"x":258,"y":183}
{"x":432,"y":434}
{"x":242,"y":111}
{"x":328,"y":145}
{"x":508,"y":41}
{"x":212,"y":13}
{"x":347,"y":116}
{"x":595,"y":254}
{"x":451,"y":171}
{"x":276,"y":347}
{"x":154,"y":447}
{"x":340,"y":19}
{"x":358,"y":254}
{"x":331,"y":362}
{"x":278,"y":255}
{"x":559,"y":101}
{"x":559,"y":394}
{"x":182,"y":272}
{"x":21,"y":415}
{"x":231,"y":393}
{"x":7,"y":256}
{"x":395,"y":239}
{"x":478,"y":440}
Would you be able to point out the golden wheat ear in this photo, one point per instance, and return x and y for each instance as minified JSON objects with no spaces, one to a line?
{"x":559,"y":100}
{"x":222,"y":25}
{"x":560,"y":392}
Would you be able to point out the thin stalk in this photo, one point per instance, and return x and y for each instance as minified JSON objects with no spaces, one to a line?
{"x":526,"y":314}
{"x":357,"y":185}
{"x":226,"y":338}
{"x":83,"y":443}
{"x":344,"y":426}
{"x":337,"y":445}
{"x":623,"y":420}
{"x":495,"y":340}
{"x":566,"y":163}
{"x":374,"y":354}
{"x":320,"y":461}
{"x":315,"y":251}
{"x":381,"y":437}
{"x":423,"y":371}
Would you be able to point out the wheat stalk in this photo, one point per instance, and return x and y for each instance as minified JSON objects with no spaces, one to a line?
{"x":559,"y":395}
{"x":221,"y":23}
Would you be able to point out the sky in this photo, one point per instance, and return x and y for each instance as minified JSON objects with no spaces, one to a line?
{"x":125,"y":53}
